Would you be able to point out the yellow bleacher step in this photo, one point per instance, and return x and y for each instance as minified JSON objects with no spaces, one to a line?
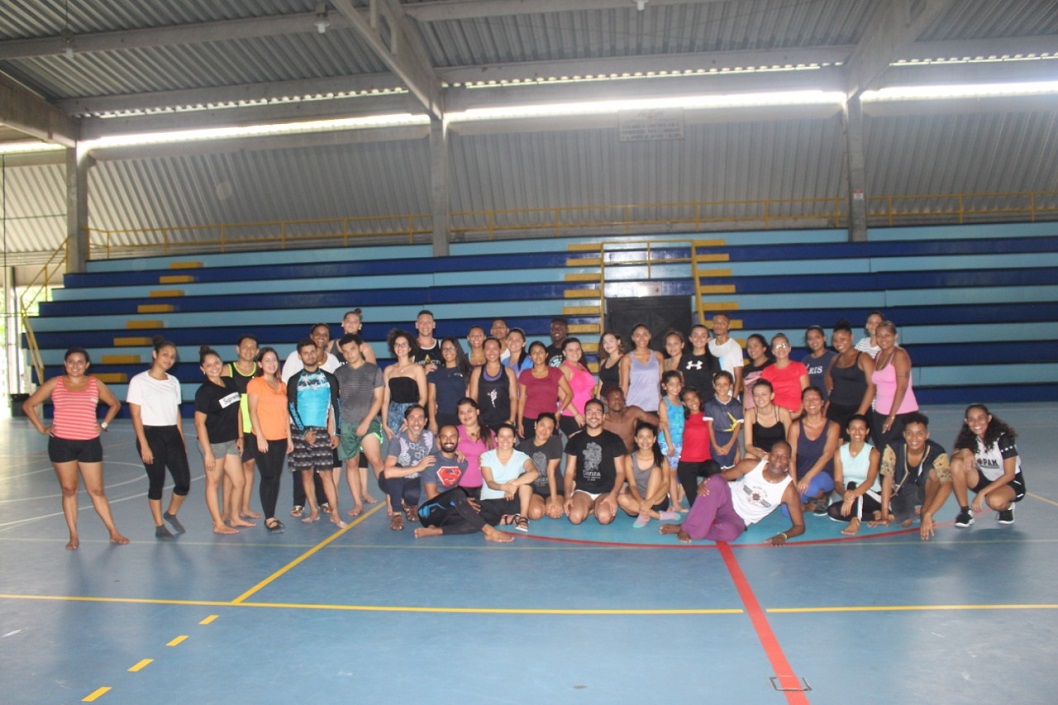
{"x":121,"y":360}
{"x":581,"y":294}
{"x":710,"y":243}
{"x":584,"y":277}
{"x":138,"y":325}
{"x":714,"y":273}
{"x":584,"y":247}
{"x":165,"y":293}
{"x":155,"y":308}
{"x":584,"y":262}
{"x":716,"y":289}
{"x":589,"y":347}
{"x":185,"y":265}
{"x":713,"y":258}
{"x":131,"y":342}
{"x":176,"y":279}
{"x":112,"y":377}
{"x":720,"y":306}
{"x":593,"y":367}
{"x":584,"y":328}
{"x":582,"y":311}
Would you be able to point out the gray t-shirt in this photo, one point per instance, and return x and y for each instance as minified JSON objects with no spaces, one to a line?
{"x":541,"y":456}
{"x":409,"y":452}
{"x":356,"y":388}
{"x":444,"y":472}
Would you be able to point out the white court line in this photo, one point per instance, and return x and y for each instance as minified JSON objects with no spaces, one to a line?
{"x":41,"y":517}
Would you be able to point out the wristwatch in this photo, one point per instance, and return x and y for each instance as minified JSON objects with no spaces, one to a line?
{"x":103,"y":425}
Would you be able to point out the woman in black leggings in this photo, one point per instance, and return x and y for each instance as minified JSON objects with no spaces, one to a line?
{"x":270,"y":417}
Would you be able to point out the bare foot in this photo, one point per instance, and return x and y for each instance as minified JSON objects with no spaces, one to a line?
{"x":240,"y":522}
{"x":356,"y":511}
{"x":684,"y":537}
{"x":853,"y":528}
{"x":315,"y":516}
{"x":224,"y":529}
{"x":249,"y":514}
{"x":117,"y":538}
{"x":907,"y":524}
{"x":368,"y":499}
{"x":670,"y":528}
{"x":495,"y":535}
{"x":336,"y":519}
{"x":424,"y":531}
{"x":73,"y":544}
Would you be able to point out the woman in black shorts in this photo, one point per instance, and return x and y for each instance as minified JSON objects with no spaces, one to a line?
{"x":73,"y":446}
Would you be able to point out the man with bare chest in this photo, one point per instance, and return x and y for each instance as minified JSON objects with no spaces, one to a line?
{"x":622,"y":420}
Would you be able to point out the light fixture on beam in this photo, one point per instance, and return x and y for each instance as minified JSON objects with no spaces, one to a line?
{"x":322,"y":23}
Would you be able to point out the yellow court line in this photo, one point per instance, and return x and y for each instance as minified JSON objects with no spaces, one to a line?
{"x":178,"y":640}
{"x":1042,"y":499}
{"x":488,"y":610}
{"x":209,"y":619}
{"x":905,"y":608}
{"x":375,"y":608}
{"x":141,"y":665}
{"x":304,"y":556}
{"x":96,"y":694}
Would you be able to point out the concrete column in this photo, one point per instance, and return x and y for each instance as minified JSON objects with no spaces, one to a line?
{"x":77,"y":163}
{"x":852,"y":118}
{"x":439,"y":186}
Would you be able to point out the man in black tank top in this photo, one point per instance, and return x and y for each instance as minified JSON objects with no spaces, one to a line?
{"x":429,"y":352}
{"x":241,"y":371}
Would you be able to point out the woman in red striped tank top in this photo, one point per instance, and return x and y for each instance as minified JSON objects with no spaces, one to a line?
{"x":73,"y":443}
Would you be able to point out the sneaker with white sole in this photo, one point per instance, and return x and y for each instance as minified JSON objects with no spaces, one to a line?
{"x":964,"y":519}
{"x":1006,"y":516}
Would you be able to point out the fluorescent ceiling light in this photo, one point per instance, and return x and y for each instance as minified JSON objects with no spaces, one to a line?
{"x":292,"y":128}
{"x":29,"y":147}
{"x":978,"y":90}
{"x":699,"y":102}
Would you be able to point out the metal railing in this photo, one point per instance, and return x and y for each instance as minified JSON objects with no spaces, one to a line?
{"x":34,"y":293}
{"x":699,"y":216}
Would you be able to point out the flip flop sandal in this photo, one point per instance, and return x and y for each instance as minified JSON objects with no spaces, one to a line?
{"x":396,"y":522}
{"x":297,"y":511}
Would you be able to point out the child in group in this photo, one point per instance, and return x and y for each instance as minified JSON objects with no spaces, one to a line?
{"x":725,"y":409}
{"x":696,"y":460}
{"x":671,"y":438}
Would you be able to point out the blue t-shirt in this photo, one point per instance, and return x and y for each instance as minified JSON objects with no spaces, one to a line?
{"x":725,"y":424}
{"x":310,"y":394}
{"x":443,"y":472}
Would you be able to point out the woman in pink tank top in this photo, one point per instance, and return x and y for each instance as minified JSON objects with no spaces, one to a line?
{"x":894,"y":395}
{"x":73,"y":443}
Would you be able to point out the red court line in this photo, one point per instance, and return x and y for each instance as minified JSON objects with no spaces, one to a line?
{"x":783,"y":670}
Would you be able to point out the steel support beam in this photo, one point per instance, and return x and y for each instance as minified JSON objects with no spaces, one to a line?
{"x":440,"y":188}
{"x":475,"y":9}
{"x":384,"y":31}
{"x":897,"y":24}
{"x":176,"y":35}
{"x":27,"y":112}
{"x":855,"y":166}
{"x":77,"y":163}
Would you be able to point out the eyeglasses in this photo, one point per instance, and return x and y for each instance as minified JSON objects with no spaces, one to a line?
{"x":781,"y":346}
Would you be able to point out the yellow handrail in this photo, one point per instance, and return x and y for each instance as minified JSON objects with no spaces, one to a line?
{"x":560,"y":221}
{"x":31,"y":295}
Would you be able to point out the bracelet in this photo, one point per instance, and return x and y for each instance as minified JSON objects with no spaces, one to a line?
{"x":784,"y":536}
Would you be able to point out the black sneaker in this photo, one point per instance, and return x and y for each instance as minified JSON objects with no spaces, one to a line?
{"x":1006,"y":516}
{"x":160,"y":532}
{"x":174,"y":522}
{"x":964,"y":519}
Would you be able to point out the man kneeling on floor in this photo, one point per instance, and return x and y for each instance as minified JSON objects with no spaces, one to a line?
{"x":447,"y":509}
{"x":729,"y":502}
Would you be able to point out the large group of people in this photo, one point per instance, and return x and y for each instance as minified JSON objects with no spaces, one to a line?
{"x":509,"y":431}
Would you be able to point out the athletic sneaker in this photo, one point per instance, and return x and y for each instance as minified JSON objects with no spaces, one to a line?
{"x":964,"y":519}
{"x":1006,"y":516}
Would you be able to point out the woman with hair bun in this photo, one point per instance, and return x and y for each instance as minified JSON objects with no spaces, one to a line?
{"x":154,"y":405}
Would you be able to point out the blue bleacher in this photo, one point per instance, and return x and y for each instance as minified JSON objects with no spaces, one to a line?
{"x":977,"y":305}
